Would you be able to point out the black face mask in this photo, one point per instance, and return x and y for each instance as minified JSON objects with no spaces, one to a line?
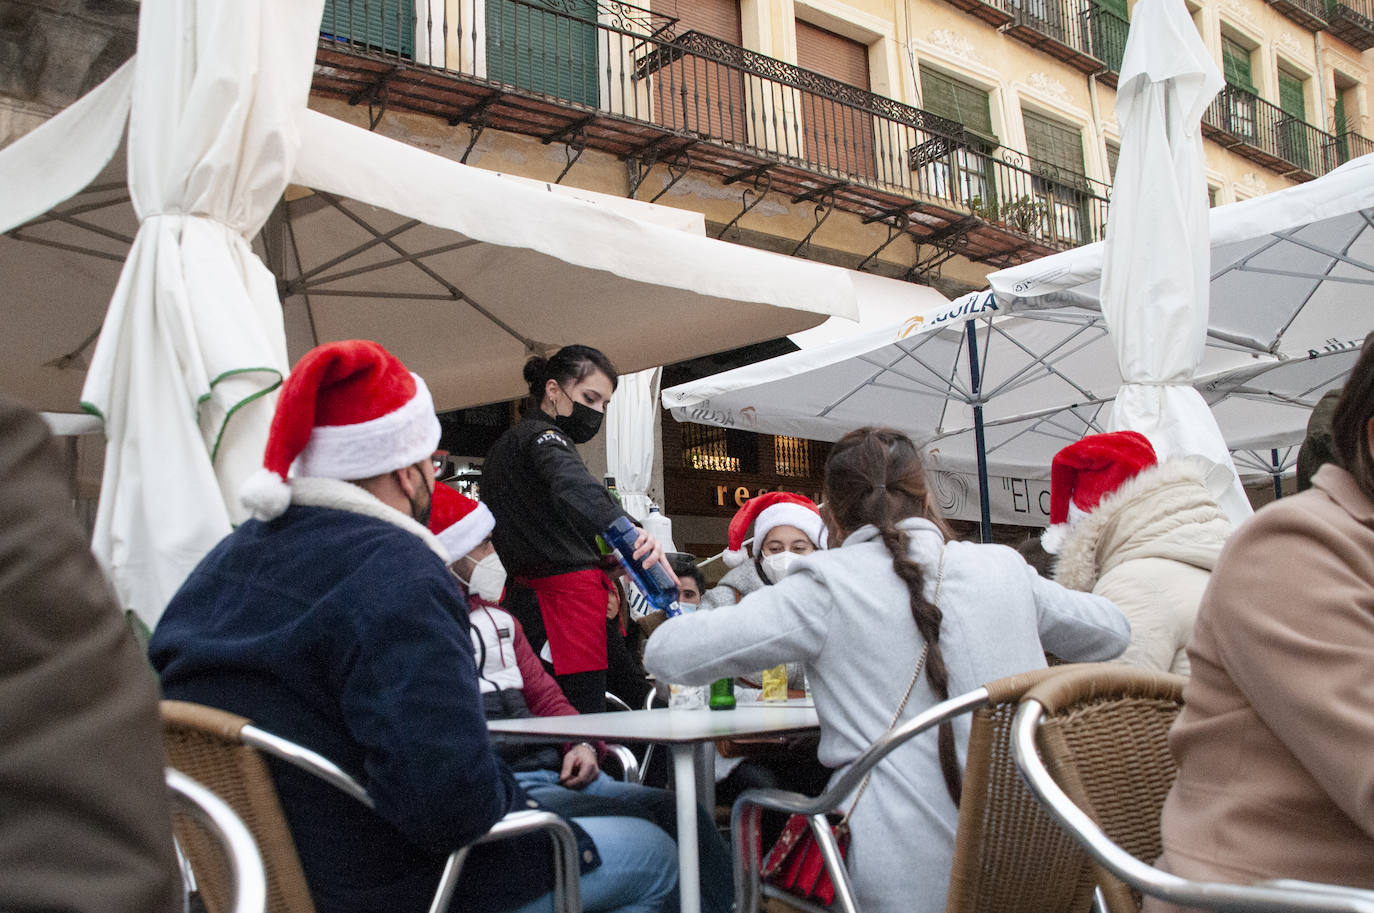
{"x":582,"y":425}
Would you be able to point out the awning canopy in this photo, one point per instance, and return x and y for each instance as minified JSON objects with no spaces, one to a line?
{"x":461,"y":292}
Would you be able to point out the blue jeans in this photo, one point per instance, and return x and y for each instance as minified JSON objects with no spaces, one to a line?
{"x":621,"y":841}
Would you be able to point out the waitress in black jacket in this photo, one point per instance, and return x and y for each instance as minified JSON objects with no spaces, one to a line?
{"x":549,"y":510}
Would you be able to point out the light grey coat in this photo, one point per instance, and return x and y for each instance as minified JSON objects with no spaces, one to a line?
{"x":846,"y":614}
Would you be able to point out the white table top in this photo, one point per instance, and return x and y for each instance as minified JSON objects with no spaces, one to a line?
{"x":661,"y":725}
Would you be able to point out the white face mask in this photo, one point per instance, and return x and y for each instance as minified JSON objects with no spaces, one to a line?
{"x":779,"y":565}
{"x":488,"y":579}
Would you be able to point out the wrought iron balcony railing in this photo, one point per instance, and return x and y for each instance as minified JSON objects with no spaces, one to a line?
{"x":1061,"y":28}
{"x":1310,"y":14}
{"x":628,"y":74}
{"x":1347,"y":145}
{"x":1352,"y":21}
{"x":1265,"y":133}
{"x":1107,"y":36}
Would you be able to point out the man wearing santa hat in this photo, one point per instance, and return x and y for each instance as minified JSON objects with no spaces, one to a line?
{"x":331,"y":619}
{"x":1141,"y":533}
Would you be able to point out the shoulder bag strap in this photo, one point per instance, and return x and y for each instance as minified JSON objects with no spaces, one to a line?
{"x":915,"y":677}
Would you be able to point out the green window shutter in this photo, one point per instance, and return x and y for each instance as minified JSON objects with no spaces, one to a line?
{"x":1235,"y":61}
{"x":956,"y":100}
{"x":1291,"y":96}
{"x":1054,"y":143}
{"x":549,"y":52}
{"x":1108,"y":28}
{"x":386,"y":25}
{"x":1113,"y":155}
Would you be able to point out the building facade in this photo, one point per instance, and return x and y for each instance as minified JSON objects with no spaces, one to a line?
{"x":931,"y":140}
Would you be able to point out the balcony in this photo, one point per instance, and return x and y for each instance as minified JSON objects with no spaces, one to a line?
{"x":994,"y":12}
{"x":1352,"y":21}
{"x":1310,"y":14}
{"x":1060,"y":28}
{"x":1348,"y":145}
{"x":1264,"y":133}
{"x":621,"y":80}
{"x":1107,"y":36}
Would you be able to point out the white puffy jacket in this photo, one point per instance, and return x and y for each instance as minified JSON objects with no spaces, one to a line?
{"x":1149,"y":547}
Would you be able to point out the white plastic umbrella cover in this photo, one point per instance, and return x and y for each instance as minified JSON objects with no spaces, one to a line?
{"x":630,"y":421}
{"x":192,"y":345}
{"x":1155,"y":259}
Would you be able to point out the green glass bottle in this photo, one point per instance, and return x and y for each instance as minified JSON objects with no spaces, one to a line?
{"x":723,"y":694}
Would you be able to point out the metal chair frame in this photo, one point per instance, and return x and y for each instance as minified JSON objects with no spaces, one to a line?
{"x":744,"y":817}
{"x":567,"y":897}
{"x":1264,"y":897}
{"x":245,"y":863}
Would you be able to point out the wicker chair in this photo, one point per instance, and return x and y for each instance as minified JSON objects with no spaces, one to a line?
{"x":1008,"y":855}
{"x":1103,"y":731}
{"x":222,"y":751}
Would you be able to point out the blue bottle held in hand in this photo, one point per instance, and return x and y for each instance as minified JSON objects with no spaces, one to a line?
{"x":654,"y":582}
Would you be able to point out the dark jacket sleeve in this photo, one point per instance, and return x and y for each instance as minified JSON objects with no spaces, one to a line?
{"x":87,"y":822}
{"x":558,"y":465}
{"x":411,"y":698}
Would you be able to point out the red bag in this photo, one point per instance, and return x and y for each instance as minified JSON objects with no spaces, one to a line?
{"x":795,"y":863}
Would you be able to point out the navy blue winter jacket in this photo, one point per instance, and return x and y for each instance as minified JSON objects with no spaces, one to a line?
{"x":347,"y":634}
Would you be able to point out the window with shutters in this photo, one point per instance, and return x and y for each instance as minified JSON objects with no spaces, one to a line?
{"x":835,"y":134}
{"x":1113,"y":156}
{"x":697,"y":92}
{"x":1107,"y":28}
{"x":385,"y":25}
{"x":1294,"y":137}
{"x":1242,"y":102}
{"x":1059,"y":181}
{"x":963,"y":172}
{"x":544,"y":46}
{"x":1235,"y":60}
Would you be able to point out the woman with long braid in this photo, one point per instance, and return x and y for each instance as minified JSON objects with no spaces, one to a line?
{"x":861,"y":616}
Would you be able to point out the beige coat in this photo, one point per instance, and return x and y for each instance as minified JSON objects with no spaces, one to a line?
{"x":1276,"y":739}
{"x":85,"y":823}
{"x":1149,"y":547}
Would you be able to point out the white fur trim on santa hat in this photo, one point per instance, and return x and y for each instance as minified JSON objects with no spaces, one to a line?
{"x":393,"y":441}
{"x":733,"y":557}
{"x":1052,"y":539}
{"x":788,"y":513}
{"x":265,"y":494}
{"x":468,"y":533}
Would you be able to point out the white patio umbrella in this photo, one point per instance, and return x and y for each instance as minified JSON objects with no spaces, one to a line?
{"x":1040,"y":379}
{"x":1155,"y":257}
{"x":1290,"y":270}
{"x":193,"y":335}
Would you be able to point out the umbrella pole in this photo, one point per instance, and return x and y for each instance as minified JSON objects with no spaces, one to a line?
{"x":1278,"y":475}
{"x":976,"y":384}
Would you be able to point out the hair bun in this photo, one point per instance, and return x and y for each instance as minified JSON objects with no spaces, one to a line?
{"x":536,"y":370}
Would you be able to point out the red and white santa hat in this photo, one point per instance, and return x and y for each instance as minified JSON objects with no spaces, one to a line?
{"x":1085,"y":472}
{"x":348,"y":410}
{"x":776,"y":508}
{"x":460,"y":522}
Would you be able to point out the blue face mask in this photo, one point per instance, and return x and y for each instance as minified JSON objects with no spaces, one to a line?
{"x":677,"y":607}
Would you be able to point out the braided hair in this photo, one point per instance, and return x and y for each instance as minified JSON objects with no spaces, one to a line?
{"x":874,"y":476}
